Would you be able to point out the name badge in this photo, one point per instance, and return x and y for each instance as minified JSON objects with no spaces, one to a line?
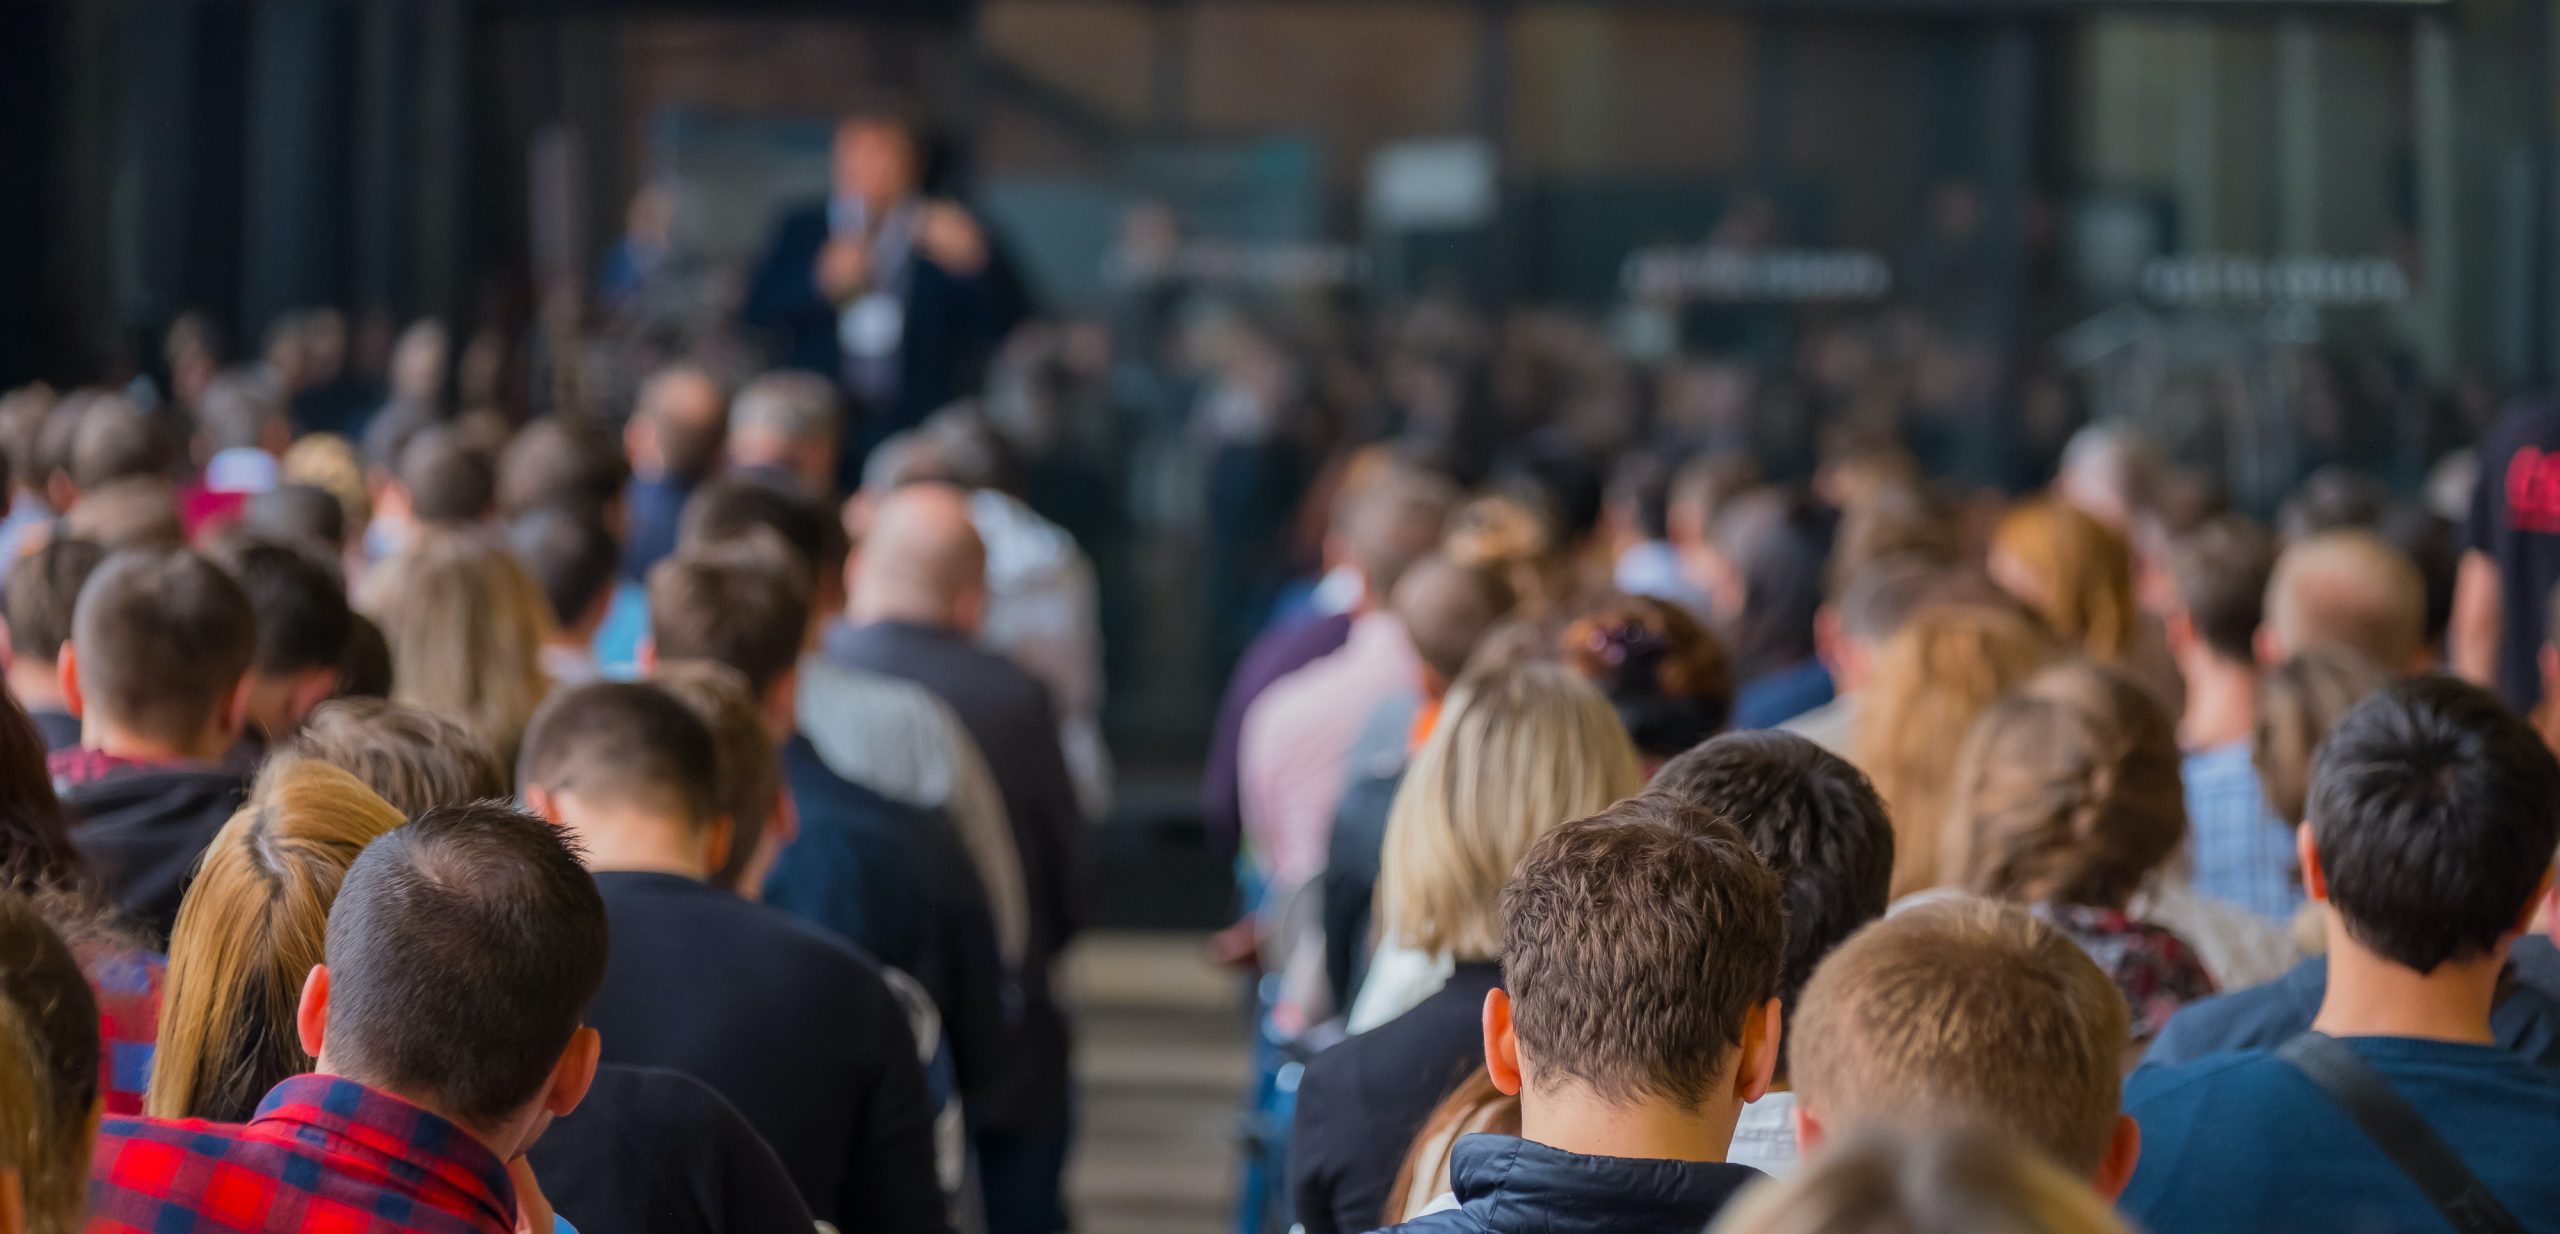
{"x":873,"y":326}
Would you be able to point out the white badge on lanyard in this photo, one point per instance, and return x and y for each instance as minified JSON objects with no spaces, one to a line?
{"x":873,"y":326}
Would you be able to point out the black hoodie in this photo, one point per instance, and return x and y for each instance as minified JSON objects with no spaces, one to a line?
{"x":143,"y":829}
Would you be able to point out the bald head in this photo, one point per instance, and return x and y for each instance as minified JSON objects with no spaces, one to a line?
{"x":2347,"y":589}
{"x":678,"y":424}
{"x":921,"y":561}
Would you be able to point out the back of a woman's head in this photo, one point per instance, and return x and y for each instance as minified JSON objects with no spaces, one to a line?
{"x":49,"y":1097}
{"x":35,"y":835}
{"x":1776,"y":542}
{"x":466,"y":625}
{"x":2074,"y":570}
{"x":2067,"y":792}
{"x":1880,"y":1183}
{"x":1661,"y":669}
{"x":2299,"y":701}
{"x":1947,"y":665}
{"x":252,"y":927}
{"x":1516,"y":751}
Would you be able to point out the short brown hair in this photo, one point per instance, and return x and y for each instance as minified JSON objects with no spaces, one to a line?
{"x":1965,"y":1014}
{"x":43,"y":589}
{"x":1636,"y":943}
{"x":559,"y":461}
{"x":743,"y":603}
{"x":137,"y":512}
{"x":2221,"y":569}
{"x":163,"y":639}
{"x":749,"y":764}
{"x":629,"y":743}
{"x":2351,"y":588}
{"x":116,"y":439}
{"x":414,"y":759}
{"x":448,"y":481}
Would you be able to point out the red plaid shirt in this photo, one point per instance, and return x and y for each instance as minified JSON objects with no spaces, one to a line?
{"x":323,"y":1156}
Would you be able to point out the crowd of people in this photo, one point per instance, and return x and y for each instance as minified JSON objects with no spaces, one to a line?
{"x":415,"y":815}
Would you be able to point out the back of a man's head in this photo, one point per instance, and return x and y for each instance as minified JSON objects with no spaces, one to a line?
{"x":43,"y":589}
{"x":1883,"y":594}
{"x":683,"y":407}
{"x":749,"y":763}
{"x":463,"y":951}
{"x":298,"y":512}
{"x":414,"y":759}
{"x":1447,"y":609}
{"x":116,"y":439}
{"x":49,"y":1054}
{"x":560,"y":461}
{"x":2434,"y":811}
{"x":1812,"y":818}
{"x":572,"y":555}
{"x":789,"y":420}
{"x":243,"y":409}
{"x":1637,"y":943}
{"x":162,"y":640}
{"x":2349,"y":588}
{"x":921,"y":560}
{"x":2221,"y":570}
{"x":1964,"y":1014}
{"x":137,"y":512}
{"x":448,"y":481}
{"x":744,"y":507}
{"x":300,"y":602}
{"x":741,"y":603}
{"x":626,"y":747}
{"x":1394,"y":522}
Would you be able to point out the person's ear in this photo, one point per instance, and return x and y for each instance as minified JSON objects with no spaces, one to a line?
{"x":539,"y":802}
{"x":2124,"y":1151}
{"x":311,"y":687}
{"x":66,"y":671}
{"x":2315,"y":881}
{"x":969,"y":610}
{"x":1501,"y":1049}
{"x":716,"y":840}
{"x":1762,"y":1030}
{"x":13,"y":1201}
{"x":8,"y":647}
{"x":1827,"y":640}
{"x":2533,"y":906}
{"x":2178,"y":629}
{"x":1809,"y":1130}
{"x":234,"y":715}
{"x":2270,"y":649}
{"x":647,"y":655}
{"x":311,"y":1015}
{"x":574,"y":1074}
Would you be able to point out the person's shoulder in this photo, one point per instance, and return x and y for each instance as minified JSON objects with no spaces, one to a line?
{"x":2165,"y":1089}
{"x":2259,"y":1017}
{"x":668,"y":1102}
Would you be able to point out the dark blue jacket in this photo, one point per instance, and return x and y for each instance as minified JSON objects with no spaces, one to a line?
{"x":953,"y":324}
{"x":2526,"y":1017}
{"x":1507,"y":1185}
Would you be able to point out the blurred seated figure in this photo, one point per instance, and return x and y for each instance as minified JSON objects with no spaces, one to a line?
{"x":1961,"y":1184}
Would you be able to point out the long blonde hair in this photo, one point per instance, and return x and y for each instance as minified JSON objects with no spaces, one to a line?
{"x":2083,"y":574}
{"x":1517,"y":751}
{"x":252,"y":927}
{"x":1945,"y":667}
{"x":1959,"y":1183}
{"x":466,"y":625}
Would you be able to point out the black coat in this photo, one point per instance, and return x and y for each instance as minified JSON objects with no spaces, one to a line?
{"x":1361,"y":1103}
{"x":657,"y":1152}
{"x":792,"y":1025}
{"x":1009,"y":714}
{"x":143,"y":829}
{"x":1507,"y":1185}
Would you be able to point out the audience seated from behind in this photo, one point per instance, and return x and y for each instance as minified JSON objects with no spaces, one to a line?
{"x":445,"y":1022}
{"x":2249,"y":1140}
{"x":1447,"y":610}
{"x":1820,"y":827}
{"x":2067,"y":802}
{"x":917,"y":591}
{"x":252,"y":928}
{"x":1516,"y":751}
{"x":2349,"y":589}
{"x":466,"y":627}
{"x":49,"y":1060}
{"x":303,"y":623}
{"x":1967,"y":1016}
{"x":1954,"y":1184}
{"x":2243,"y":851}
{"x":672,"y":444}
{"x":573,"y":557}
{"x":157,"y":671}
{"x":705,"y":983}
{"x":1850,"y":632}
{"x":42,"y":593}
{"x":1765,"y":577}
{"x":1638,"y":1015}
{"x":1664,"y":672}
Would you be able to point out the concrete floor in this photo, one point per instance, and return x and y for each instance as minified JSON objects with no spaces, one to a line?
{"x":1162,"y":1059}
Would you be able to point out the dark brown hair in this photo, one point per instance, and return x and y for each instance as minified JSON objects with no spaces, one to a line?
{"x":163,"y":640}
{"x":43,"y":589}
{"x":2221,"y":570}
{"x":741,"y":603}
{"x":1635,"y":944}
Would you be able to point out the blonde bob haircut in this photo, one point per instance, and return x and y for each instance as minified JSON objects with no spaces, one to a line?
{"x":466,"y":625}
{"x":1517,"y":751}
{"x":1951,"y":1184}
{"x":252,"y":927}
